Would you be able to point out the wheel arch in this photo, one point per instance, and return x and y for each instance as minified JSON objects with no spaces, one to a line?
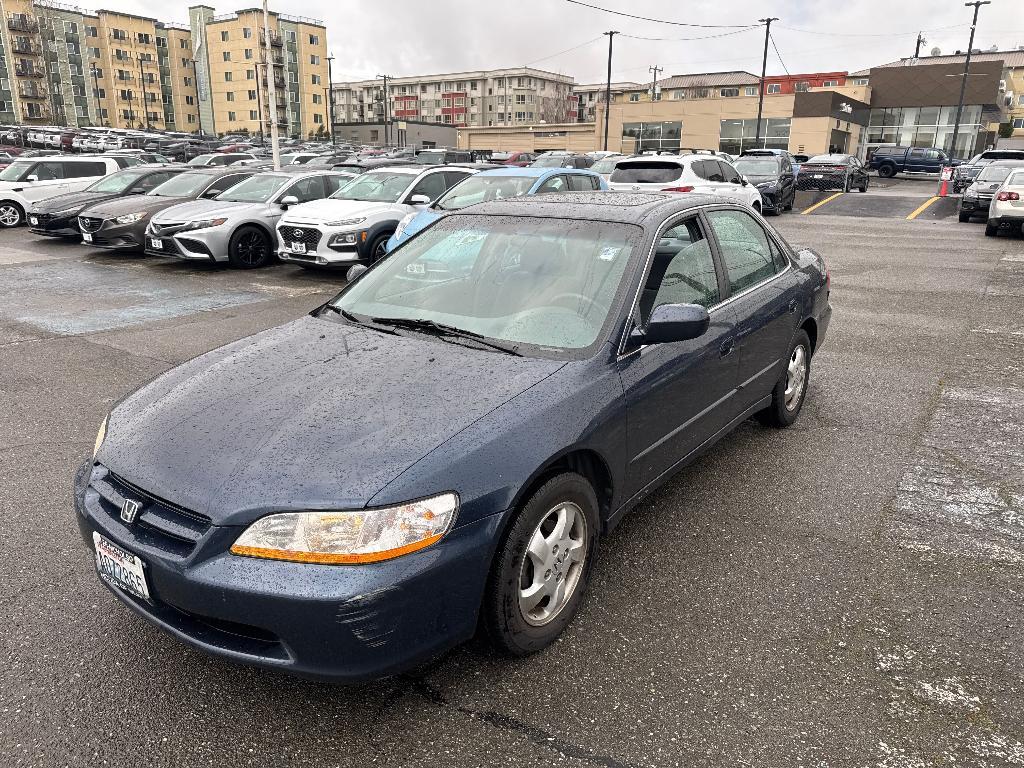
{"x":810,"y":327}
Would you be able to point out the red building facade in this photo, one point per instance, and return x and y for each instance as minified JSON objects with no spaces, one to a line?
{"x":795,"y":83}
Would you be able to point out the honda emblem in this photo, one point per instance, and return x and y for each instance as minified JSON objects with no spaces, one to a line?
{"x":129,"y":511}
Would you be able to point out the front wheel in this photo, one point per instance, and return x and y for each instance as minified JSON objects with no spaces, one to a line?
{"x":863,"y":185}
{"x":379,"y":248}
{"x":540,"y":573}
{"x":249,"y":248}
{"x":789,"y":392}
{"x":11,"y":214}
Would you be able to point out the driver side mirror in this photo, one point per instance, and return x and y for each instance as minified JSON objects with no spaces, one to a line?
{"x":419,"y":200}
{"x":673,"y":322}
{"x":31,"y":177}
{"x":355,"y":272}
{"x":211,"y":193}
{"x":288,"y":201}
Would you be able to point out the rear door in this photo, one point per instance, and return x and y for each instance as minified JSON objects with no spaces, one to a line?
{"x":764,"y":295}
{"x":916,"y":161}
{"x":80,"y":174}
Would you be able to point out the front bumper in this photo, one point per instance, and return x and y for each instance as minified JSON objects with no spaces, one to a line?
{"x":344,"y":623}
{"x":317,"y":248}
{"x":48,"y":225}
{"x":209,"y":244}
{"x":977,"y":204}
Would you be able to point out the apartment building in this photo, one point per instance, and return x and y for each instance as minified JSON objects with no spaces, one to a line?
{"x":520,"y":95}
{"x":588,"y":96}
{"x":63,"y":65}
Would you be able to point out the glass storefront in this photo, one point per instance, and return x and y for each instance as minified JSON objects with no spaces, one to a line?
{"x":926,"y":127}
{"x":642,"y":137}
{"x":738,"y":135}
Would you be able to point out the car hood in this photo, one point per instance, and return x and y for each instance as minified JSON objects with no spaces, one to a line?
{"x":74,"y":201}
{"x":315,"y":414}
{"x":203,"y":209}
{"x":317,"y":211}
{"x":119,"y":206}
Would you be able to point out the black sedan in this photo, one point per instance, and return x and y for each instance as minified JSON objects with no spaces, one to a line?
{"x":349,"y":494}
{"x":774,"y":178}
{"x":58,"y":216}
{"x":842,"y":172}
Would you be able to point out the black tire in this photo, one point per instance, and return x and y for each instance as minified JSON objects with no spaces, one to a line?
{"x":887,"y":171}
{"x":863,"y":185}
{"x":964,"y":218}
{"x":250,"y":248}
{"x":792,"y":201}
{"x":991,"y":230}
{"x":780,"y":414}
{"x":378,"y":248}
{"x":506,"y":623}
{"x":846,"y":184}
{"x":11,"y":214}
{"x":757,"y":207}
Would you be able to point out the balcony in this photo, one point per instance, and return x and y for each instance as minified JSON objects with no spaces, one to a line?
{"x":22,"y":24}
{"x":278,"y":83}
{"x":22,"y":71}
{"x":26,"y":47}
{"x":31,"y":91}
{"x":278,"y":58}
{"x":275,"y":39}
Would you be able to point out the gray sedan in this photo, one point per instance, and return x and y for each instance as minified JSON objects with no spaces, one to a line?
{"x":238,"y":225}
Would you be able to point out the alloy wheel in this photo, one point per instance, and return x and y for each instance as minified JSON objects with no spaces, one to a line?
{"x":553,"y":564}
{"x":252,"y":248}
{"x":380,"y":250}
{"x":9,"y":216}
{"x":796,"y":377}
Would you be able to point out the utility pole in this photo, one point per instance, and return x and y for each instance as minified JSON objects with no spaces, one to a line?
{"x":654,"y":81}
{"x":764,"y":69}
{"x":330,"y":99}
{"x":387,"y":132}
{"x":608,"y":89}
{"x":920,"y":41}
{"x":271,"y":91}
{"x":96,"y":93}
{"x":963,"y":81}
{"x":195,"y":82}
{"x":259,"y":103}
{"x":142,"y":81}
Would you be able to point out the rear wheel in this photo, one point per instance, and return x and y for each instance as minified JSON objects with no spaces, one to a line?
{"x":11,"y":214}
{"x":863,"y":185}
{"x":789,"y":392}
{"x":887,"y":171}
{"x":540,"y":573}
{"x":964,"y":217}
{"x":249,"y":248}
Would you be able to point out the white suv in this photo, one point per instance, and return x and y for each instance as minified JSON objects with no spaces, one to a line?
{"x":705,"y":174}
{"x":29,"y":180}
{"x":354,"y":224}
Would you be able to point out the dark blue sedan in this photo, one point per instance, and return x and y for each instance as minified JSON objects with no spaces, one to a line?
{"x":345,"y":496}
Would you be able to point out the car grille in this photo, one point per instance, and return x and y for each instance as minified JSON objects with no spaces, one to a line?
{"x":87,"y":223}
{"x":308,"y":235}
{"x":42,"y":218}
{"x":159,"y":524}
{"x":165,"y":229}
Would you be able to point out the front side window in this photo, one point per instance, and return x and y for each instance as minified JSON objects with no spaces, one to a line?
{"x":17,"y":171}
{"x":547,"y":283}
{"x":479,"y":189}
{"x":432,"y":186}
{"x":682,"y":271}
{"x":553,"y":184}
{"x":745,"y":249}
{"x":375,"y":187}
{"x":306,"y":189}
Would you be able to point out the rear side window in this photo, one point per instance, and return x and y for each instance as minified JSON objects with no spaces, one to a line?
{"x":152,"y":180}
{"x":646,"y":173}
{"x":729,"y":173}
{"x":334,"y":183}
{"x":710,"y":170}
{"x":580,"y":183}
{"x":454,"y":177}
{"x":305,"y":190}
{"x":745,"y":249}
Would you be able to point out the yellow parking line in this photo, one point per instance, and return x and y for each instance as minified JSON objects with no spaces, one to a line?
{"x":820,"y":203}
{"x":922,"y":209}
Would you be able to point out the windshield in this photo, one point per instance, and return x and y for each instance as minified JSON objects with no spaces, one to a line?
{"x":550,"y":161}
{"x":477,"y":189}
{"x":757,"y":166}
{"x":994,"y":173}
{"x":184,"y":185}
{"x":829,"y":159}
{"x":200,"y":160}
{"x":549,"y":283}
{"x":256,"y":189}
{"x":375,"y":187}
{"x":116,"y":182}
{"x":605,"y":166}
{"x":16,"y":171}
{"x":430,"y":158}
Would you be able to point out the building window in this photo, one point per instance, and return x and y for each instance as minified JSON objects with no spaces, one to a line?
{"x":314,"y":59}
{"x":750,"y":90}
{"x":830,"y":84}
{"x":252,"y":95}
{"x":119,"y":34}
{"x":860,"y":81}
{"x":314,"y":40}
{"x":250,"y":74}
{"x":227,"y":77}
{"x":224,"y":36}
{"x":184,"y":42}
{"x":226,"y":55}
{"x":187,"y":81}
{"x":1020,"y":99}
{"x":316,"y":98}
{"x":318,"y":118}
{"x":316,"y":79}
{"x":230,"y":95}
{"x":91,"y":32}
{"x":1018,"y":122}
{"x":700,"y":93}
{"x":231,"y":116}
{"x":144,"y":38}
{"x":738,"y":135}
{"x":774,"y":87}
{"x":247,"y":33}
{"x":254,"y":114}
{"x":190,"y":100}
{"x":248,"y":53}
{"x":803,"y":87}
{"x":639,"y":137}
{"x":727,"y":92}
{"x":634,"y":97}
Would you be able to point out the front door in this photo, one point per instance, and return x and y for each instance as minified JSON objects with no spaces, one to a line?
{"x":677,"y":395}
{"x":764,"y":289}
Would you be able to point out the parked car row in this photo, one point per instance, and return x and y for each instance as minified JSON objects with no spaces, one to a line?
{"x":996,"y":195}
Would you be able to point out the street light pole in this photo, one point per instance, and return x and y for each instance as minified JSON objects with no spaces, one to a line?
{"x":272,"y":92}
{"x":195,"y":82}
{"x":607,"y":90}
{"x":259,"y":101}
{"x":330,"y":99}
{"x":387,"y":132}
{"x":764,"y":69}
{"x":142,"y":82}
{"x":96,"y":94}
{"x":963,"y":81}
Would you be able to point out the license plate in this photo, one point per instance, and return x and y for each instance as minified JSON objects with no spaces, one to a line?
{"x":156,"y":244}
{"x":819,"y":176}
{"x":298,"y":247}
{"x":33,"y":220}
{"x":120,"y":568}
{"x":86,"y":237}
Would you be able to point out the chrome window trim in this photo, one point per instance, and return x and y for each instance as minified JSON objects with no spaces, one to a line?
{"x":696,"y":210}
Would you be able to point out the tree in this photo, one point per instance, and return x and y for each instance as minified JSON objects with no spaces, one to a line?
{"x":1005,"y":130}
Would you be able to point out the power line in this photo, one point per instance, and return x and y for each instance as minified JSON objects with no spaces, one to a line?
{"x":567,"y":50}
{"x":784,"y":67}
{"x":657,"y":21}
{"x":867,"y":34}
{"x":703,"y":37}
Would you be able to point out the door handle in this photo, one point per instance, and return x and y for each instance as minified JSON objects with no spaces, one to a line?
{"x":727,"y":347}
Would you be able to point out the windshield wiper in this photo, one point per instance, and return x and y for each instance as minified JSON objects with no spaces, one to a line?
{"x":441,"y":330}
{"x":355,"y":319}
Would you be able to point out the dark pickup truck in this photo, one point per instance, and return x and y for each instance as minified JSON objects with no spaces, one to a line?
{"x":889,"y":161}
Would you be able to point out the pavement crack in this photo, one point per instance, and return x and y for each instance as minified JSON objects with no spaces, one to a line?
{"x":506,"y":722}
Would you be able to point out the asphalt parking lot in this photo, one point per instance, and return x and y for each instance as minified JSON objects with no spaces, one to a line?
{"x":844,"y":593}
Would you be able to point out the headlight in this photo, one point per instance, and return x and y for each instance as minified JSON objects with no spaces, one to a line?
{"x":405,"y":223}
{"x":340,"y":538}
{"x":345,"y":222}
{"x":130,"y":218}
{"x":345,"y":238}
{"x":99,"y":437}
{"x":204,"y":223}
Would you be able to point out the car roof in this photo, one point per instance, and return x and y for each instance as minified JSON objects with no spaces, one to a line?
{"x":532,"y":171}
{"x":624,"y":207}
{"x":1007,"y":163}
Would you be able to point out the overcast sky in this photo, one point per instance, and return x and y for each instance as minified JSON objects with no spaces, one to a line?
{"x":411,"y":37}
